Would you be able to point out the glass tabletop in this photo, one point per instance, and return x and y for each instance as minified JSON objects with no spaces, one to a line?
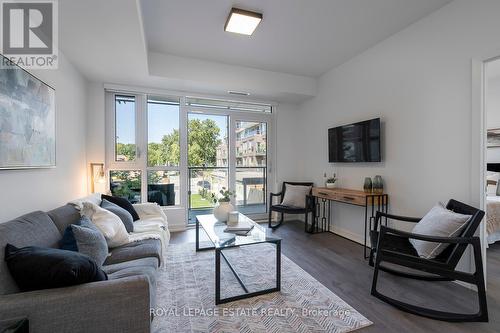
{"x":223,"y":239}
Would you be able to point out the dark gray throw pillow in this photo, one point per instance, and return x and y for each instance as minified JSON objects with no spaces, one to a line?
{"x":35,"y":268}
{"x":123,"y":214}
{"x":123,"y":203}
{"x":90,"y":240}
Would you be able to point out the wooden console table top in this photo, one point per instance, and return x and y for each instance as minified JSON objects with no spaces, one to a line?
{"x":355,"y":197}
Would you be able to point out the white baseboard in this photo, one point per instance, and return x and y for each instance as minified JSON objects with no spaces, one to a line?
{"x":348,"y":234}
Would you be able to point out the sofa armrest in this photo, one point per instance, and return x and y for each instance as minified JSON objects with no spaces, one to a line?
{"x":120,"y":305}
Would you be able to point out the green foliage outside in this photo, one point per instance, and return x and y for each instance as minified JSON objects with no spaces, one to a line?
{"x":126,"y":150}
{"x":203,"y":139}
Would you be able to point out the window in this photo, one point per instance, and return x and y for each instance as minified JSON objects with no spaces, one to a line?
{"x":155,"y":132}
{"x":178,"y":151}
{"x":164,"y":187}
{"x":126,"y":184}
{"x":125,"y":147}
{"x":163,"y":133}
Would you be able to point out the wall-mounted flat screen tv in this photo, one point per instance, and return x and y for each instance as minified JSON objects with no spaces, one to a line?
{"x":358,"y":142}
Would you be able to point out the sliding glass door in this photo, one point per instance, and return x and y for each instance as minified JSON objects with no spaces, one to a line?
{"x":228,"y":149}
{"x":251,"y":166}
{"x":208,"y":168}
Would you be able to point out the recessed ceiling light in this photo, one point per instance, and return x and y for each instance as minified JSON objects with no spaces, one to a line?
{"x":242,"y":21}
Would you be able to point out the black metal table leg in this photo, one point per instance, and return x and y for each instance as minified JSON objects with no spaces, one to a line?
{"x":217,"y":276}
{"x":219,"y":300}
{"x":197,"y":231}
{"x":278,"y":265}
{"x":366,"y":223}
{"x":197,"y":235}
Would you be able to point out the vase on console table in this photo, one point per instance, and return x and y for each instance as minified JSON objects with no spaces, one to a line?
{"x":378,"y":185}
{"x":221,"y":211}
{"x":368,"y":186}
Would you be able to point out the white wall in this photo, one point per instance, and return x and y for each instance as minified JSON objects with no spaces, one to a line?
{"x":288,"y":136}
{"x":419,"y":82}
{"x":44,"y":189}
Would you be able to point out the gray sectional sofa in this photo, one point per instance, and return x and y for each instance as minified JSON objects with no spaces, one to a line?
{"x":121,"y":304}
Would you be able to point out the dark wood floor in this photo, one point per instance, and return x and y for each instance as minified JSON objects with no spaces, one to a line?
{"x":338,"y":264}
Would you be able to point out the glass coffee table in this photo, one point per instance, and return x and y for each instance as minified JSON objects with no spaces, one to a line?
{"x":224,"y":240}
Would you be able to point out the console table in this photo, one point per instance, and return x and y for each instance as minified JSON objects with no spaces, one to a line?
{"x":372,"y":202}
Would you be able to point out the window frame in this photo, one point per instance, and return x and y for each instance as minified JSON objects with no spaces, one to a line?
{"x":141,"y":163}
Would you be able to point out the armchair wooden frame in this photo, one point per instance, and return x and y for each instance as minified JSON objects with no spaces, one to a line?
{"x":441,"y":268}
{"x":282,"y":210}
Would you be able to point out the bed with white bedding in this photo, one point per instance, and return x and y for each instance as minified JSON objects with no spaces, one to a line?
{"x":493,"y":218}
{"x":493,"y":203}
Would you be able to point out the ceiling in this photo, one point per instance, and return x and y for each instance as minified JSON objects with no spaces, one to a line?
{"x":181,"y":45}
{"x":302,"y":37}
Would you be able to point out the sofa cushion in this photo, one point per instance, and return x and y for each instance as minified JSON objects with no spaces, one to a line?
{"x":135,"y":250}
{"x":124,"y":215}
{"x":123,"y":203}
{"x":33,"y":229}
{"x":37,"y":268}
{"x":149,"y":272}
{"x":85,"y":238}
{"x":149,"y":262}
{"x":108,"y":223}
{"x":64,"y":216}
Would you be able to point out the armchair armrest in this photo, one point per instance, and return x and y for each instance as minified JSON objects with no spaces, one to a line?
{"x":310,"y":200}
{"x":380,"y":214}
{"x":121,"y":305}
{"x":398,"y":217}
{"x":435,"y":239}
{"x":271,"y":195}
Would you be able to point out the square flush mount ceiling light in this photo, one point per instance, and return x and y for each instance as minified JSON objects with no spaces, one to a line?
{"x":242,"y":21}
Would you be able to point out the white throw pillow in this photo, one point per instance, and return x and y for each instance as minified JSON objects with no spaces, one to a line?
{"x":94,"y":198}
{"x":295,"y":195}
{"x":108,"y":223}
{"x":439,"y":222}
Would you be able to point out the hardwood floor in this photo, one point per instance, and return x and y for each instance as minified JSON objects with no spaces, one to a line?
{"x":338,"y":264}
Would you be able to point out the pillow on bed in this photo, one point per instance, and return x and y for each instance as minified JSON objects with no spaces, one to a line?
{"x":438,"y":222}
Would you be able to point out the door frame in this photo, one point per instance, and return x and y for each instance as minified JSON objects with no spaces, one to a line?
{"x":479,"y":145}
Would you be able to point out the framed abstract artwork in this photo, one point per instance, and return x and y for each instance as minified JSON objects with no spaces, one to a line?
{"x":27,"y":119}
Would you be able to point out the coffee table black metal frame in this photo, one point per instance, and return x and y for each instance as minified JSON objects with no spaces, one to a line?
{"x":219,"y":254}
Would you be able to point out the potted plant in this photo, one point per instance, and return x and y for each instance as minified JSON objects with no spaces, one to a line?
{"x":331,"y":182}
{"x":223,"y":204}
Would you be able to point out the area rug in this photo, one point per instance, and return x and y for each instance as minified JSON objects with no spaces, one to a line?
{"x":186,"y":294}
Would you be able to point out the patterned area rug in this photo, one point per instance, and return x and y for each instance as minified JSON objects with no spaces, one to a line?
{"x":186,"y":293}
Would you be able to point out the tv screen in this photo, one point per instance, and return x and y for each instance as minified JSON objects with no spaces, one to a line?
{"x":358,"y":142}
